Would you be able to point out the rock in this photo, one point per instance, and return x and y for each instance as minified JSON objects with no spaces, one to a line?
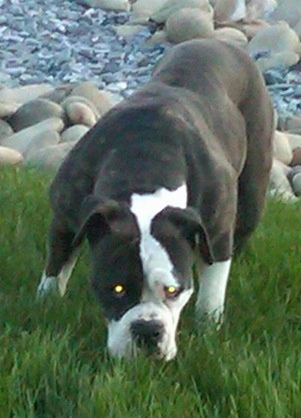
{"x":80,"y":113}
{"x":8,"y":108}
{"x":50,"y":157}
{"x":229,"y":10}
{"x":58,"y":94}
{"x":23,"y":94}
{"x":281,"y":148}
{"x":282,"y":117}
{"x":5,"y":78}
{"x":294,"y":140}
{"x":231,"y":36}
{"x":297,"y":28}
{"x":259,"y":8}
{"x":21,"y":140}
{"x":272,"y":77}
{"x":80,"y":110}
{"x":9,"y":156}
{"x":250,"y":29}
{"x":34,"y":112}
{"x":296,"y":160}
{"x":158,"y":37}
{"x":296,"y":184}
{"x":172,"y":6}
{"x":40,"y":141}
{"x":288,"y":11}
{"x":99,"y":98}
{"x":237,"y":10}
{"x":292,"y":122}
{"x":276,"y":117}
{"x":129,"y":30}
{"x":281,"y":61}
{"x":74,"y":133}
{"x":294,"y":131}
{"x":188,"y":23}
{"x":276,"y":39}
{"x":114,"y":98}
{"x":143,"y":9}
{"x":5,"y":129}
{"x":116,"y":5}
{"x":279,"y":186}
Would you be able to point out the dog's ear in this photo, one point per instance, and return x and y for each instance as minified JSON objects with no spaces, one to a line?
{"x":188,"y":222}
{"x":100,"y":217}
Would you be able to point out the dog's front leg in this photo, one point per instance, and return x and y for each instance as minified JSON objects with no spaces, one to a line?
{"x":61,"y":258}
{"x":50,"y":283}
{"x":212,"y":291}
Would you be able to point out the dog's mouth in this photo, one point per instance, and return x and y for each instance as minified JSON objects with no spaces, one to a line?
{"x":156,"y":354}
{"x":162,"y":350}
{"x":151,"y":353}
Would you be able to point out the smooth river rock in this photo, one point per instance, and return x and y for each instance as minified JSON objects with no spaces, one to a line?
{"x":74,"y":133}
{"x":50,"y":157}
{"x":21,"y":140}
{"x":34,"y":112}
{"x":9,"y":156}
{"x":188,"y":23}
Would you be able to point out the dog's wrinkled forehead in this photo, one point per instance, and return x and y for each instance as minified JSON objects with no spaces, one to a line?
{"x":150,"y":265}
{"x":153,"y":321}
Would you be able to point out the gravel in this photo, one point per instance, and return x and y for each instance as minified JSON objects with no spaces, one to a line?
{"x":285,"y":90}
{"x":62,"y":41}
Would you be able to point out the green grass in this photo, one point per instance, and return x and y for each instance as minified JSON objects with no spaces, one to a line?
{"x":53,"y":361}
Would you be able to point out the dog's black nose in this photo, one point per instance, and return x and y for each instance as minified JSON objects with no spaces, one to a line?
{"x":147,"y":334}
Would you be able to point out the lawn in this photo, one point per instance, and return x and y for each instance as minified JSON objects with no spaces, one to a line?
{"x":53,"y":361}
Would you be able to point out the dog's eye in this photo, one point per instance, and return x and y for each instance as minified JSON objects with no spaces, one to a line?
{"x":171,"y":292}
{"x":119,"y":290}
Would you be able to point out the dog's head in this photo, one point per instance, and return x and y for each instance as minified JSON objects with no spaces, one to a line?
{"x":142,"y":271}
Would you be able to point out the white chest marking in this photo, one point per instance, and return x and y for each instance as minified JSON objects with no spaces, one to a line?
{"x":155,"y":260}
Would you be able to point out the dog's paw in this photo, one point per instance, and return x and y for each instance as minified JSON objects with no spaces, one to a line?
{"x":209,"y":320}
{"x":47,"y":285}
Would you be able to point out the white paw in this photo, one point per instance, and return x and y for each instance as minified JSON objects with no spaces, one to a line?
{"x":47,"y":285}
{"x":213,"y":318}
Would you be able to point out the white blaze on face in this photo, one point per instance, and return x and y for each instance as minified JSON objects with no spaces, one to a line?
{"x":158,"y":272}
{"x":154,"y":257}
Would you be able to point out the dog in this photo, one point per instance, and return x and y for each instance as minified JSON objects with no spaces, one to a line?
{"x":171,"y":178}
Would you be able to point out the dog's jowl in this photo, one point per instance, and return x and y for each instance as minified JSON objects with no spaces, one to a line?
{"x":172,"y":177}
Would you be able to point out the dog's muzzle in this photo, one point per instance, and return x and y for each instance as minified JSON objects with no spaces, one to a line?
{"x":147,"y":334}
{"x":148,"y":328}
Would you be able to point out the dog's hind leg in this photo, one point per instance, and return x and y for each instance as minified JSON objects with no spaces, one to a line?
{"x":254,"y":179}
{"x":61,"y":258}
{"x":252,"y":190}
{"x":251,"y":201}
